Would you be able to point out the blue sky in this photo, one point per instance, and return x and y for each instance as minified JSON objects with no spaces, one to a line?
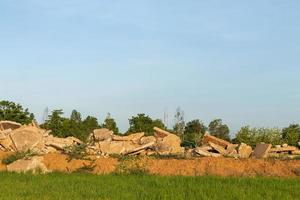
{"x":235,"y":60}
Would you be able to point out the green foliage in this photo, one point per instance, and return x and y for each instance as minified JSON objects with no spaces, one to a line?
{"x":143,"y":123}
{"x":78,"y":186}
{"x":111,"y":124}
{"x":17,"y":156}
{"x":193,"y":133}
{"x":15,"y":112}
{"x":218,"y":129}
{"x":253,"y":136}
{"x":291,"y":134}
{"x":76,"y":151}
{"x":74,"y":126}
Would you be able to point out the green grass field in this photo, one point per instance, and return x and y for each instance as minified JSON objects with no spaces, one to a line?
{"x":85,"y":186}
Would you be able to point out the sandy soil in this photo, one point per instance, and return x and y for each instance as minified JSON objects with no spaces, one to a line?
{"x":166,"y":167}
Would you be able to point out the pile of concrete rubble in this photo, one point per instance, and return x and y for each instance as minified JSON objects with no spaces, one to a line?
{"x":17,"y":138}
{"x":103,"y":142}
{"x":216,"y":147}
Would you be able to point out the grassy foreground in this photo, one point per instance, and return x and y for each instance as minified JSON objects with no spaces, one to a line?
{"x":85,"y":186}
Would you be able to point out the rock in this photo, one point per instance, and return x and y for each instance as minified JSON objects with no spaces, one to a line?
{"x":147,"y":139}
{"x":209,"y":138}
{"x":283,"y":149}
{"x":261,"y":150}
{"x":167,"y":143}
{"x":217,"y":148}
{"x":9,"y":125}
{"x":135,"y":138}
{"x":33,"y":164}
{"x":299,"y":144}
{"x":206,"y":153}
{"x":102,"y":134}
{"x":26,"y":137}
{"x":285,"y":145}
{"x":244,"y":150}
{"x":277,"y":146}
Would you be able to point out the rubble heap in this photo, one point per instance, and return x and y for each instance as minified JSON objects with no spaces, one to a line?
{"x":216,"y":147}
{"x":17,"y":138}
{"x":104,"y":142}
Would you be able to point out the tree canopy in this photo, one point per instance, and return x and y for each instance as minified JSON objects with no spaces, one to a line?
{"x":15,"y":112}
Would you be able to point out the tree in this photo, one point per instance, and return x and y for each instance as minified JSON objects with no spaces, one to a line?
{"x":15,"y":112}
{"x":56,"y":123}
{"x":75,"y":116}
{"x":291,"y":134}
{"x":110,"y":124}
{"x":179,"y":123}
{"x":218,"y":129}
{"x":90,"y":123}
{"x":253,"y":136}
{"x":143,"y":123}
{"x":193,"y":133}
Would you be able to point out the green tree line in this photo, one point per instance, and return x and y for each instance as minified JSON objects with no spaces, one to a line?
{"x":191,"y":133}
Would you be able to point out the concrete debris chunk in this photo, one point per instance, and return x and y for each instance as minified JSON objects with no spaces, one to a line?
{"x":34,"y":164}
{"x":209,"y":138}
{"x":143,"y":147}
{"x":135,"y":138}
{"x":297,"y":152}
{"x":261,"y":150}
{"x":26,"y":137}
{"x":217,"y":148}
{"x":147,"y":139}
{"x":4,"y":125}
{"x":283,"y":149}
{"x":202,"y":152}
{"x":62,"y":143}
{"x":167,"y":143}
{"x":102,"y":134}
{"x":244,"y":150}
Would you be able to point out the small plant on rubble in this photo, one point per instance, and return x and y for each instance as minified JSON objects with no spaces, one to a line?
{"x":131,"y":165}
{"x":17,"y":156}
{"x":76,"y":151}
{"x":86,"y":168}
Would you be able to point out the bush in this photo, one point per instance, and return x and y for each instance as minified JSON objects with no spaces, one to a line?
{"x":17,"y":156}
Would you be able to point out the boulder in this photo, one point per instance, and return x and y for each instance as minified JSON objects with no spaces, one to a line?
{"x":102,"y":134}
{"x":26,"y":137}
{"x":261,"y":150}
{"x":209,"y":138}
{"x":244,"y":150}
{"x":9,"y":125}
{"x":135,"y":137}
{"x":33,"y":164}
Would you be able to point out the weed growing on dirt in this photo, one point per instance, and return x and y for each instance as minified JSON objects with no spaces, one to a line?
{"x":17,"y":156}
{"x":76,"y":152}
{"x":131,"y":165}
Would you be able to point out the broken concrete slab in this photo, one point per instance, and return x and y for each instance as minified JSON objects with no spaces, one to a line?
{"x":102,"y":134}
{"x":283,"y":149}
{"x":217,"y":148}
{"x":206,"y":153}
{"x":61,"y":143}
{"x":135,"y":137}
{"x":261,"y":150}
{"x":205,"y":148}
{"x":147,"y":139}
{"x":9,"y":125}
{"x":209,"y":138}
{"x":143,"y":147}
{"x":296,"y":152}
{"x":244,"y":150}
{"x":159,"y":133}
{"x":34,"y":164}
{"x":169,"y":145}
{"x":26,"y":137}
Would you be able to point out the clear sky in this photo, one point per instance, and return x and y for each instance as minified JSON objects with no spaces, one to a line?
{"x":235,"y":60}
